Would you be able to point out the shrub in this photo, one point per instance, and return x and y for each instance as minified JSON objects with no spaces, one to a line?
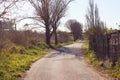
{"x":22,"y":38}
{"x":64,"y":37}
{"x":8,"y":46}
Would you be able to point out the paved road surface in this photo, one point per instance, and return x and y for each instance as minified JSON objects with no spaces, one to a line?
{"x":63,"y":64}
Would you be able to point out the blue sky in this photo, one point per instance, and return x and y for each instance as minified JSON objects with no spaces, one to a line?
{"x":108,"y":10}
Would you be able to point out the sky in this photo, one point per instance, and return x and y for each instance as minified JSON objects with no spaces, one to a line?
{"x":108,"y":10}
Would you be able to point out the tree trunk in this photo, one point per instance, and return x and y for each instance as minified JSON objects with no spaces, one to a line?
{"x":56,"y":39}
{"x":55,"y":35}
{"x":1,"y":32}
{"x":48,"y":36}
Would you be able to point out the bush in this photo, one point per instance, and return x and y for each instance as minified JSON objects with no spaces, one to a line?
{"x":64,"y":37}
{"x":22,"y":38}
{"x":8,"y":46}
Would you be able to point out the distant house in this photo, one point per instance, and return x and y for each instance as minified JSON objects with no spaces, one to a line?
{"x":6,"y":25}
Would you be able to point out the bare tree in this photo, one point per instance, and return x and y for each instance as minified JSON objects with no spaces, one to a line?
{"x":5,"y":7}
{"x":59,"y":12}
{"x":94,"y":24}
{"x":49,"y":13}
{"x":76,"y":28}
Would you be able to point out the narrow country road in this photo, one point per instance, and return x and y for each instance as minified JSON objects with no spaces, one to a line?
{"x":65,"y":63}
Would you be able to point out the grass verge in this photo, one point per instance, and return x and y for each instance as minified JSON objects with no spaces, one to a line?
{"x":91,"y":58}
{"x":13,"y":65}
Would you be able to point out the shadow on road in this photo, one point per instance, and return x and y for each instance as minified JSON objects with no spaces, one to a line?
{"x":64,"y":51}
{"x":74,"y":50}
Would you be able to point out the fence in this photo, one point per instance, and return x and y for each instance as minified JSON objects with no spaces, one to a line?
{"x":106,"y":46}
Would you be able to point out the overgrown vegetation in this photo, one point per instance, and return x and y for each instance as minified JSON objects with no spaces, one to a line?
{"x":18,"y":49}
{"x":12,"y":65}
{"x":105,"y":65}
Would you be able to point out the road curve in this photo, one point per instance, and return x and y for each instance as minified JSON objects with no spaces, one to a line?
{"x":65,"y":63}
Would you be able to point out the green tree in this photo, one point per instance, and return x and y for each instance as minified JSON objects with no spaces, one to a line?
{"x":76,"y":28}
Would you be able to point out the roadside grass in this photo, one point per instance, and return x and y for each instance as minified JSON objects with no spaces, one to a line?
{"x":106,"y":66}
{"x":85,"y":46}
{"x":14,"y":64}
{"x":114,"y":71}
